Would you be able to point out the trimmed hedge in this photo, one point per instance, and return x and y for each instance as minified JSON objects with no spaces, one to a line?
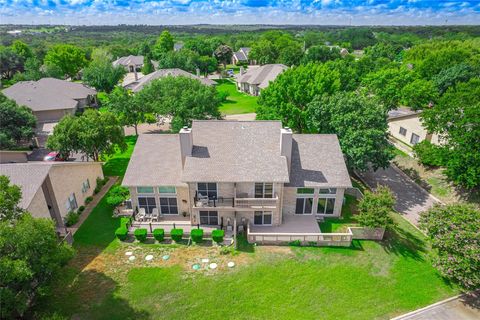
{"x":176,"y":234}
{"x":217,"y":235}
{"x":159,"y":234}
{"x":71,"y":218}
{"x":197,"y":235}
{"x":140,"y":234}
{"x":121,"y":233}
{"x":81,"y":209}
{"x":88,"y":199}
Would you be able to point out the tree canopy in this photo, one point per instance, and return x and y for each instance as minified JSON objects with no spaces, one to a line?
{"x":10,"y":196}
{"x":181,"y":98}
{"x":17,"y":123}
{"x":164,"y":44}
{"x":376,"y":208}
{"x":223,"y":54}
{"x":101,"y":74}
{"x":68,"y":58}
{"x":454,"y":231}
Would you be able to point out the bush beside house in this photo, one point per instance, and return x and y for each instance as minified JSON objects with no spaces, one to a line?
{"x":197,"y":235}
{"x":159,"y":234}
{"x":140,"y":234}
{"x":217,"y":235}
{"x":121,"y":233}
{"x":176,"y":234}
{"x":375,"y":209}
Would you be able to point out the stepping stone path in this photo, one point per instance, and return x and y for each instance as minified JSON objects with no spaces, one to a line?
{"x":166,"y":257}
{"x":213,"y":266}
{"x":128,"y":253}
{"x":196,"y":266}
{"x":231,"y":264}
{"x":149,"y":257}
{"x":131,"y":258}
{"x":205,"y":260}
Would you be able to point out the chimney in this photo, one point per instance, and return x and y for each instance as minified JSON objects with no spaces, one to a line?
{"x":135,"y":72}
{"x":286,"y":145}
{"x":186,"y":143}
{"x":198,"y":72}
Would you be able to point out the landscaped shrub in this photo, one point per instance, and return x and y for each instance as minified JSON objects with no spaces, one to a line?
{"x":81,"y":209}
{"x":159,"y":234}
{"x":140,"y":234}
{"x":217,"y":235}
{"x":375,"y":208}
{"x":197,"y":235}
{"x":295,"y":243}
{"x":88,"y":199}
{"x":117,"y":195}
{"x":429,"y":154}
{"x":121,"y":233}
{"x":176,"y":234}
{"x":71,"y":218}
{"x":100,"y":184}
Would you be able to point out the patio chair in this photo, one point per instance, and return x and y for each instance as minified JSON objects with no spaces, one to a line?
{"x":155,"y":214}
{"x":141,"y":214}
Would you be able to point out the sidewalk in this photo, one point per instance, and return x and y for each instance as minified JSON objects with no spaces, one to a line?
{"x":89,"y":207}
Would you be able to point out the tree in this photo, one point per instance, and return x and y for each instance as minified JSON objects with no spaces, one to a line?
{"x":22,"y":49}
{"x":419,"y":94}
{"x":291,"y":54}
{"x":117,"y":195}
{"x":183,"y":59}
{"x":181,"y":98}
{"x":384,"y":50}
{"x":31,"y":257}
{"x":449,"y":77}
{"x":164,"y":44}
{"x":201,"y":46}
{"x":263,"y":52}
{"x":224,"y":54}
{"x":10,"y":63}
{"x":375,"y":208}
{"x":69,"y":58}
{"x":93,"y":133}
{"x":102,"y":75}
{"x":17,"y":123}
{"x":207,"y":65}
{"x":287,"y":97}
{"x":360,"y":123}
{"x":454,"y":231}
{"x":127,"y":107}
{"x":321,"y":54}
{"x":147,"y":64}
{"x":456,"y":118}
{"x":10,"y":196}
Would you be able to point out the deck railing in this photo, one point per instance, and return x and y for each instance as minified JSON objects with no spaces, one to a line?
{"x":256,"y":202}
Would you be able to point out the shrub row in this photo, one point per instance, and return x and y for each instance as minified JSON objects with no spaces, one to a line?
{"x":159,"y":234}
{"x":100,"y":184}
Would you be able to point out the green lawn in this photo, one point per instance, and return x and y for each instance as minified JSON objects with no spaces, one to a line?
{"x":237,"y":102}
{"x":116,"y":165}
{"x":346,"y":220}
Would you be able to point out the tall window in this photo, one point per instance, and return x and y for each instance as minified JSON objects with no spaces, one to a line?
{"x":168,"y":205}
{"x":85,"y":186}
{"x":262,"y":218}
{"x":71,"y":203}
{"x":403,"y":131}
{"x":148,"y":203}
{"x":263,"y":190}
{"x":209,"y":218}
{"x":414,"y":139}
{"x":304,"y":206}
{"x":325,"y":205}
{"x":207,"y":189}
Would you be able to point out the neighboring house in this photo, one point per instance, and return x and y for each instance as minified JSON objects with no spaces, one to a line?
{"x":130,"y":63}
{"x":178,"y":46}
{"x":51,"y":190}
{"x":9,"y":156}
{"x":256,"y":79}
{"x":241,"y":56}
{"x":138,"y":85}
{"x":249,"y":171}
{"x":406,"y":129}
{"x":51,"y":99}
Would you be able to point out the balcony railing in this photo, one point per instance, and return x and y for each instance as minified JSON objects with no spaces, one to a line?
{"x":238,"y":202}
{"x":256,"y":202}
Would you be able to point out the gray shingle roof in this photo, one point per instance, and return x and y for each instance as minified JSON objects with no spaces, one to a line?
{"x":236,"y":151}
{"x":240,"y":56}
{"x":145,"y":80}
{"x":401,"y":112}
{"x":29,"y":176}
{"x":156,"y":160}
{"x":318,"y":161}
{"x":48,"y":94}
{"x":129,"y":61}
{"x":262,"y":75}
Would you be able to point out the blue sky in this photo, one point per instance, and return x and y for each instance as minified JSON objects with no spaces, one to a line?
{"x":339,"y":12}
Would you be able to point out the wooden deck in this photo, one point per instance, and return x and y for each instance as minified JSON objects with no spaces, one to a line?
{"x":291,"y":224}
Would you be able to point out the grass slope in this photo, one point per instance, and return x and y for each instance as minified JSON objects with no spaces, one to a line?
{"x":237,"y":102}
{"x":116,"y":164}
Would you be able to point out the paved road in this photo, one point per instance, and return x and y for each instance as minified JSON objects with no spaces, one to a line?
{"x":241,"y":117}
{"x":466,"y":307}
{"x":411,"y":198}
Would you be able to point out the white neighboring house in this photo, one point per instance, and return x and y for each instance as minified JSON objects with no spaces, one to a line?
{"x":406,"y":129}
{"x":52,"y":189}
{"x":138,"y":84}
{"x":130,"y":63}
{"x":255,"y":79}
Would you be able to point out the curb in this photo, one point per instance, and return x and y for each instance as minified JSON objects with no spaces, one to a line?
{"x":415,"y":312}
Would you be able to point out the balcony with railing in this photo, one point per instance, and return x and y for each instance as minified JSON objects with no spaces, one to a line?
{"x":239,"y":202}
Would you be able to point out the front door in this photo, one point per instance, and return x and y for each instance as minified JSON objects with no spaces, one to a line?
{"x":209,"y":218}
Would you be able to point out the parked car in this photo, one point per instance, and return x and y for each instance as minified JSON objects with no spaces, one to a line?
{"x":230,"y":72}
{"x":54,"y":156}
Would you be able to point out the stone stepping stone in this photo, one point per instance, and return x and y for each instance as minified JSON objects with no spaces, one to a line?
{"x":213,"y":266}
{"x":128,"y":253}
{"x":231,"y":264}
{"x":131,"y":258}
{"x":205,"y":260}
{"x":149,"y":257}
{"x":166,"y":257}
{"x":196,"y":266}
